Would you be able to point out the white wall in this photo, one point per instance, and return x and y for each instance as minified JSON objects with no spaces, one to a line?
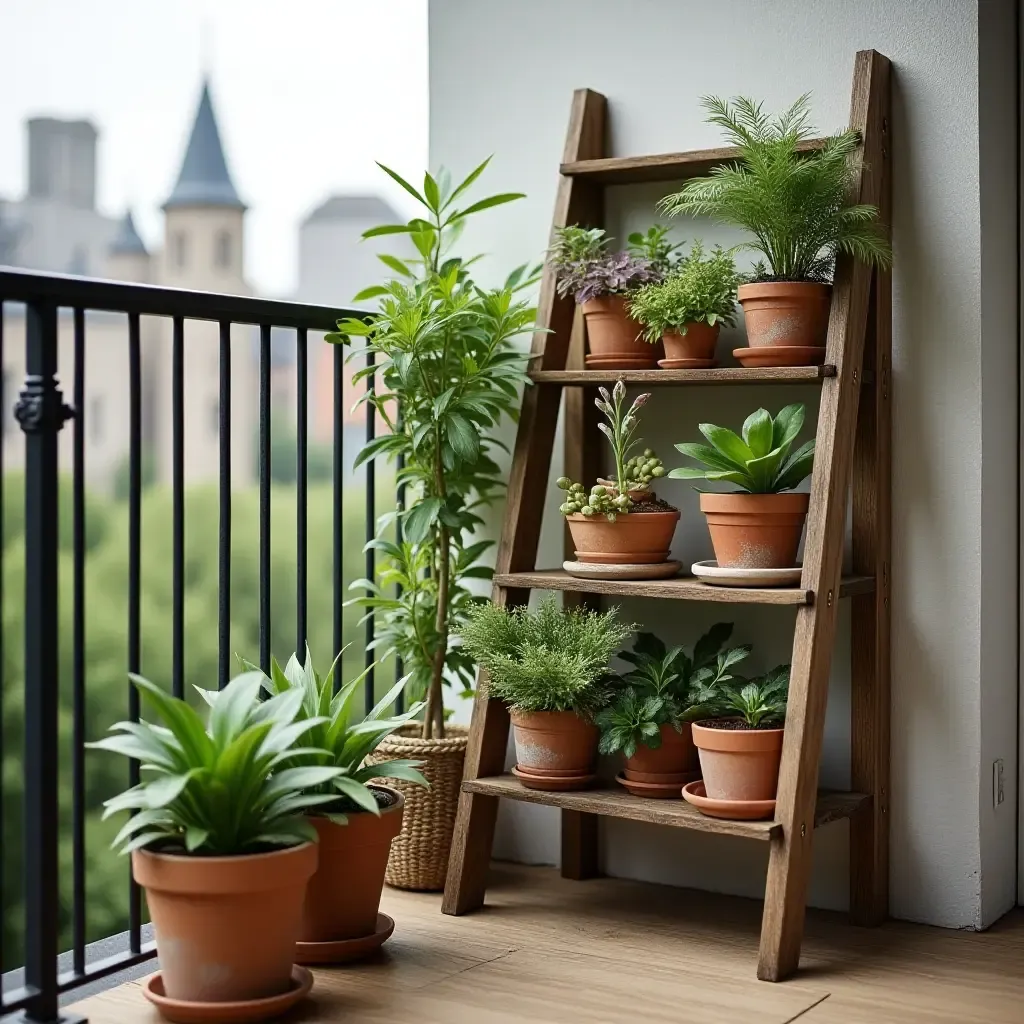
{"x":501,"y":79}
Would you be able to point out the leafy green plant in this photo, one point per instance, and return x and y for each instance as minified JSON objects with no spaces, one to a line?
{"x":794,"y":201}
{"x":587,"y":270}
{"x":666,"y":687}
{"x":759,"y":704}
{"x":336,"y":740}
{"x":225,"y":788}
{"x":760,"y":461}
{"x":446,"y":359}
{"x":547,"y":660}
{"x":698,"y":290}
{"x":655,"y":246}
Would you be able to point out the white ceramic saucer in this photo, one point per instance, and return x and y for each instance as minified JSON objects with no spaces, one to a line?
{"x":709,"y":572}
{"x":603,"y":571}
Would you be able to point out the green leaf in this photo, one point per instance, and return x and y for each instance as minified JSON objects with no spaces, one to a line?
{"x":757,"y":432}
{"x":357,"y":793}
{"x":728,"y":444}
{"x":464,"y":439}
{"x":420,"y":518}
{"x":389,"y":229}
{"x":467,"y":181}
{"x":486,"y":204}
{"x":396,"y":265}
{"x":787,"y":425}
{"x":394,"y":175}
{"x":431,"y":192}
{"x":195,"y":837}
{"x":369,"y":293}
{"x":166,"y":789}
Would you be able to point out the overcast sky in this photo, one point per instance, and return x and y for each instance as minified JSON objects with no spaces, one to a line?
{"x":308,"y":93}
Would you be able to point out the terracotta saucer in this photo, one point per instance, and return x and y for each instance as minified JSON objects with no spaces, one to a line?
{"x":676,"y":778}
{"x":547,"y":773}
{"x":344,"y":951}
{"x":709,"y":572}
{"x":737,"y":810}
{"x":554,"y":784}
{"x":687,"y":364}
{"x":657,"y":790}
{"x":781,"y":355}
{"x":601,"y":571}
{"x":250,"y":1010}
{"x":619,"y":363}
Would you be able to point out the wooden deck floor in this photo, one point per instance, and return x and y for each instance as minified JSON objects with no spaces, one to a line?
{"x":553,"y":951}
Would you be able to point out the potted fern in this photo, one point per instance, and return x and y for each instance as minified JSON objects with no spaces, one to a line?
{"x":648,"y":719}
{"x":600,"y":280}
{"x":758,"y":526}
{"x":551,"y":668}
{"x":219,"y":842}
{"x":795,"y":201}
{"x":686,"y":311}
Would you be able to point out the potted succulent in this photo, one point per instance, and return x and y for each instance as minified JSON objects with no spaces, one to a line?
{"x":740,"y":745}
{"x":687,"y":309}
{"x":355,"y":817}
{"x":550,"y":668}
{"x":621,"y":521}
{"x":759,"y":526}
{"x":600,"y":280}
{"x":218,"y":838}
{"x":648,"y":720}
{"x":795,"y":201}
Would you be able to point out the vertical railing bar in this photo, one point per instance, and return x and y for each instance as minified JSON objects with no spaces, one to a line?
{"x":371,"y":516}
{"x":78,"y":737}
{"x":3,"y":831}
{"x":301,"y":491}
{"x":134,"y":582}
{"x":178,"y":507}
{"x":338,"y":484}
{"x":224,"y":538}
{"x":264,"y":473}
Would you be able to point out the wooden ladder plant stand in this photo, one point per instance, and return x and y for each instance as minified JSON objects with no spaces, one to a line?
{"x":853,"y":451}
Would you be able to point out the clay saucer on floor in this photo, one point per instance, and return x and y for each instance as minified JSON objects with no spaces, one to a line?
{"x":554,"y":784}
{"x":781,"y":355}
{"x":344,"y":951}
{"x":733,"y":576}
{"x":657,"y":790}
{"x":687,"y":364}
{"x":249,"y":1011}
{"x":735,"y":810}
{"x":601,"y":571}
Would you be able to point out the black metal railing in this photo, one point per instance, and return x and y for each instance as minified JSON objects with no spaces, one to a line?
{"x":41,"y":412}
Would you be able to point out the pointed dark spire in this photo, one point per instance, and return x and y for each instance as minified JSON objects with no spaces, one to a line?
{"x":204,"y":179}
{"x":127,"y":241}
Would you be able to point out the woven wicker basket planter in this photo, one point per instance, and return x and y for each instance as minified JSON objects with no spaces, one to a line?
{"x":419,"y":856}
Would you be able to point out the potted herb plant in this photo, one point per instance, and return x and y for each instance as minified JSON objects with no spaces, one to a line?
{"x":550,"y":666}
{"x":795,"y":201}
{"x":218,"y":838}
{"x":648,"y":720}
{"x":621,"y":521}
{"x":687,"y":309}
{"x":354,"y":816}
{"x":740,"y":745}
{"x":601,"y":280}
{"x":758,"y":526}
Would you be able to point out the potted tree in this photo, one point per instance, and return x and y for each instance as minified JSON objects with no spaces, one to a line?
{"x":795,"y":201}
{"x":550,"y":668}
{"x":446,"y":371}
{"x":219,"y":842}
{"x":759,"y":526}
{"x":621,"y":522}
{"x":687,"y":309}
{"x":354,"y":816}
{"x":740,"y":747}
{"x":648,"y":719}
{"x":601,"y":280}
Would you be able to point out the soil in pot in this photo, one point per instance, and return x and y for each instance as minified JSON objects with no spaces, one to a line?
{"x":614,"y":339}
{"x":785,"y":313}
{"x":640,"y":537}
{"x":737,"y":762}
{"x":550,"y":742}
{"x":698,"y":342}
{"x":674,"y":761}
{"x":226,"y":927}
{"x":755,"y":531}
{"x":343,"y":896}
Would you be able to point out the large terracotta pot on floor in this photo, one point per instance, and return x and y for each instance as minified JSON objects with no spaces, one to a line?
{"x":738,"y":764}
{"x":674,"y":761}
{"x":343,"y":896}
{"x":636,"y":538}
{"x":554,"y":744}
{"x":755,"y":531}
{"x":698,"y":343}
{"x":785,"y":315}
{"x":614,"y":339}
{"x":226,"y":927}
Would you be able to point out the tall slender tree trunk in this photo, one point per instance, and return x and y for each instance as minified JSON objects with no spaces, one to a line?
{"x":433,"y":724}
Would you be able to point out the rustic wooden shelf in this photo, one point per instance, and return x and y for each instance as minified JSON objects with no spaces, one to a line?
{"x":617,"y":803}
{"x":721,"y":375}
{"x":681,"y":588}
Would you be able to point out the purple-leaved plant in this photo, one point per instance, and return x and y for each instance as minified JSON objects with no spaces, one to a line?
{"x":587,"y":270}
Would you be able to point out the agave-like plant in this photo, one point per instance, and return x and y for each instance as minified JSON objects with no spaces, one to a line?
{"x":224,"y":788}
{"x":760,"y":461}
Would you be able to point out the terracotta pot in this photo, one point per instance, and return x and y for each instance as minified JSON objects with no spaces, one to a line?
{"x":739,"y":764}
{"x":698,"y":342}
{"x":785,"y":313}
{"x":226,"y":927}
{"x":612,"y":335}
{"x":343,"y":896}
{"x":755,"y":531}
{"x":555,"y":741}
{"x":677,"y":756}
{"x":636,"y":538}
